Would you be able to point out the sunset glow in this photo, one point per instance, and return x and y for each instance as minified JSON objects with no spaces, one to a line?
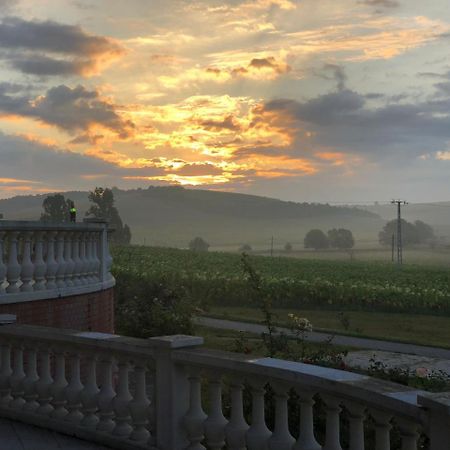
{"x":264,"y":96}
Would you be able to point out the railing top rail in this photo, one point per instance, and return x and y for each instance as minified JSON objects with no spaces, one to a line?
{"x":81,"y":340}
{"x":375,"y":393}
{"x":29,"y":225}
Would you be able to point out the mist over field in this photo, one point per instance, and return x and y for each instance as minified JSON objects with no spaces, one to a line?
{"x":173,"y":216}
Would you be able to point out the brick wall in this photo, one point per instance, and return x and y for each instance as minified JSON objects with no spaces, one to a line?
{"x":87,"y":312}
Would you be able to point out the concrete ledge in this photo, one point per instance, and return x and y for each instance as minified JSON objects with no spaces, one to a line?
{"x":21,"y":297}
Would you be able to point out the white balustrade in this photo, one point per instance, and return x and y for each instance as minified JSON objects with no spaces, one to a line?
{"x":31,"y":378}
{"x":2,"y":263}
{"x":13,"y":270}
{"x":114,"y":408}
{"x":215,"y":423}
{"x":281,"y":438}
{"x":258,"y":435}
{"x":121,"y":402}
{"x":73,"y":391}
{"x":193,"y":420}
{"x":42,"y":261}
{"x":237,"y":427}
{"x":59,"y":386}
{"x":27,"y":269}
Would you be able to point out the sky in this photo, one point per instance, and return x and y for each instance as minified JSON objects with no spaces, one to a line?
{"x":308,"y":100}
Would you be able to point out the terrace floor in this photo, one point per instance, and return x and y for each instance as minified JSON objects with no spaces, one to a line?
{"x":18,"y":436}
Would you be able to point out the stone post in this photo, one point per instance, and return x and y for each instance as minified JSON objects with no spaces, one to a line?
{"x":172,"y":391}
{"x":438,"y":414}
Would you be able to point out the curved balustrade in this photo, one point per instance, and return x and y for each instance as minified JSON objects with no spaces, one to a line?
{"x":41,"y":261}
{"x":166,"y":393}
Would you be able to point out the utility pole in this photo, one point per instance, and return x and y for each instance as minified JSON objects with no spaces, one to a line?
{"x":393,"y":245}
{"x":399,"y":204}
{"x":271,"y":247}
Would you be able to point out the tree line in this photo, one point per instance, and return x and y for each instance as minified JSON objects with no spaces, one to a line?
{"x":57,"y":210}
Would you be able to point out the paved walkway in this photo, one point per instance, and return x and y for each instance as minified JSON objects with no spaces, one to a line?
{"x":18,"y":436}
{"x":348,"y":341}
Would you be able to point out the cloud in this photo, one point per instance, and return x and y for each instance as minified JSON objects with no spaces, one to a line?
{"x":70,"y":109}
{"x":381,"y":3}
{"x":51,"y":48}
{"x":344,"y":121}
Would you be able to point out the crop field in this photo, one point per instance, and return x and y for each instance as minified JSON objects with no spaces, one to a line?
{"x":217,"y":279}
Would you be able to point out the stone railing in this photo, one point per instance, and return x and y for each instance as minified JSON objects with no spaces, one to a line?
{"x":43,"y":261}
{"x":169,"y":393}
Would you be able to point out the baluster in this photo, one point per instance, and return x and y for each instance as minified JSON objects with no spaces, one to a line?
{"x":193,"y":420}
{"x":95,"y":258}
{"x":121,"y":402}
{"x":89,"y":260}
{"x":40,"y":267}
{"x":2,"y":263}
{"x":5,"y":374}
{"x":76,"y":279}
{"x":17,"y":378}
{"x":108,"y":257}
{"x":44,"y":384}
{"x":73,"y":391}
{"x":58,"y":389}
{"x":356,"y":416}
{"x":31,"y":379}
{"x":306,"y":439}
{"x":13,"y":270}
{"x":89,"y":395}
{"x":83,"y":259}
{"x":281,"y":438}
{"x":332,"y":439}
{"x":70,"y":263}
{"x":409,"y":434}
{"x":26,"y":274}
{"x":139,"y":407}
{"x":214,"y":425}
{"x":237,"y":427}
{"x":60,"y":261}
{"x":52,"y":266}
{"x":382,"y":429}
{"x":105,"y":396}
{"x":258,"y":434}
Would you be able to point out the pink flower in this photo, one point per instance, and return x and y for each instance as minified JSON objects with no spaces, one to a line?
{"x":421,"y":372}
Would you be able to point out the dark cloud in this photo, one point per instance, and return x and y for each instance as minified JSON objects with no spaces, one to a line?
{"x":51,"y":48}
{"x":70,"y":109}
{"x":192,"y":170}
{"x":342,"y":120}
{"x":381,"y":3}
{"x":337,"y":74}
{"x":51,"y":166}
{"x":227,"y":123}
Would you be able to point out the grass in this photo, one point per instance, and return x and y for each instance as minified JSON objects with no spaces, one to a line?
{"x":411,"y":328}
{"x":227,"y":340}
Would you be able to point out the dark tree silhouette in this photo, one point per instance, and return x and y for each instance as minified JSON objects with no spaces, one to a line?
{"x":103,"y":208}
{"x":412,"y":233}
{"x":316,"y":239}
{"x":56,"y":209}
{"x":341,"y":238}
{"x":198,"y":245}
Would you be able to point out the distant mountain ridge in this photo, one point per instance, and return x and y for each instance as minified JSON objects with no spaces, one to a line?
{"x":170,"y":215}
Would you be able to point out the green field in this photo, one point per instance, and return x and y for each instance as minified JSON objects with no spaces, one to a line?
{"x":217,"y":279}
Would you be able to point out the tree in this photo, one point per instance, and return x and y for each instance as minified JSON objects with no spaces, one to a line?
{"x":316,"y":239}
{"x":412,"y":233}
{"x":288,"y":247}
{"x":424,"y":231}
{"x":341,"y":238}
{"x":246,"y":248}
{"x":103,"y":208}
{"x":56,"y":209}
{"x":198,"y":245}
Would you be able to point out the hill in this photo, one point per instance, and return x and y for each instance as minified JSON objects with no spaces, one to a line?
{"x":171,"y":216}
